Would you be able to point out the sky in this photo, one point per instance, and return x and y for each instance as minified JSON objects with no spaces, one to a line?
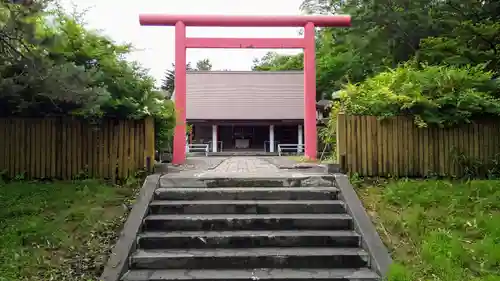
{"x":119,"y":19}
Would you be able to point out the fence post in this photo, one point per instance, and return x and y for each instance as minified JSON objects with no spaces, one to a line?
{"x":341,"y":141}
{"x":149,"y":153}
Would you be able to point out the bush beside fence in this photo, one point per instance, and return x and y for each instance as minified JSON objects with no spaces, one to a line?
{"x":396,"y":147}
{"x":64,"y":147}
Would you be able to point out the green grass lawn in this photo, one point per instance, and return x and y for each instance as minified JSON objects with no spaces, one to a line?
{"x":438,"y":230}
{"x":58,"y":231}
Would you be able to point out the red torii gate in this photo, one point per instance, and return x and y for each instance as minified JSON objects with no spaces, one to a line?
{"x":307,"y":43}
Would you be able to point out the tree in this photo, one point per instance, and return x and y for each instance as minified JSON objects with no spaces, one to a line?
{"x":168,"y":81}
{"x":204,"y":65}
{"x":273,"y":61}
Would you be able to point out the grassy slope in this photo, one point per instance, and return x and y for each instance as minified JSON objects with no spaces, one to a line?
{"x":58,"y":231}
{"x":439,"y":230}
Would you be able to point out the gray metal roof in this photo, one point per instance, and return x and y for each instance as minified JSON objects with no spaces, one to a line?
{"x":245,"y":95}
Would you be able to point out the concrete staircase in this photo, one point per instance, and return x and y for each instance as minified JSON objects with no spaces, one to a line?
{"x":248,"y":233}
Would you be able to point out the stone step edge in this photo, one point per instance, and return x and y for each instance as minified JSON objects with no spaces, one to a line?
{"x":252,"y":274}
{"x":246,"y":189}
{"x":249,"y":233}
{"x":247,"y":252}
{"x":188,"y":217}
{"x":244,"y":202}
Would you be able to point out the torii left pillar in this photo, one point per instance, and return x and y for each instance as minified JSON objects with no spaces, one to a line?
{"x":307,"y":43}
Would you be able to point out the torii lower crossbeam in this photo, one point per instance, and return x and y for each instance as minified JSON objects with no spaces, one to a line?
{"x":236,"y":43}
{"x":307,"y":44}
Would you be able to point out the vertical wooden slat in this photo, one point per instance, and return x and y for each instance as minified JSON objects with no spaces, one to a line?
{"x":386,"y":143}
{"x":41,"y":145}
{"x":453,"y":146}
{"x":142,"y":145}
{"x":41,"y":148}
{"x":95,"y":151}
{"x":88,"y":150}
{"x":9,"y":148}
{"x":14,"y":147}
{"x":126,"y":147}
{"x":362,"y":133}
{"x":121,"y":151}
{"x":361,"y":140}
{"x":48,"y":151}
{"x":372,"y":146}
{"x":76,"y":147}
{"x":3,"y":143}
{"x":114,"y":149}
{"x":395,"y":136}
{"x":427,"y":151}
{"x":418,"y":143}
{"x":100,"y":150}
{"x":64,"y":151}
{"x":493,"y":138}
{"x":138,"y":146}
{"x":29,"y":151}
{"x":341,"y":136}
{"x":380,"y":147}
{"x":440,"y":135}
{"x":405,"y":148}
{"x":389,"y":147}
{"x":44,"y":160}
{"x":400,"y":146}
{"x":150,"y":146}
{"x":132,"y":142}
{"x":88,"y":145}
{"x":22,"y":145}
{"x":61,"y":151}
{"x":480,"y":147}
{"x":69,"y":148}
{"x":347,"y":144}
{"x":36,"y":148}
{"x":411,"y":134}
{"x":106,"y":133}
{"x":448,"y":138}
{"x":356,"y":163}
{"x":52,"y":145}
{"x":488,"y":139}
{"x":76,"y":151}
{"x":352,"y":145}
{"x":72,"y":150}
{"x":48,"y":146}
{"x":434,"y":138}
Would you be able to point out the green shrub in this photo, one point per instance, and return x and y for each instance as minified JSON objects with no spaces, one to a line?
{"x":434,"y":95}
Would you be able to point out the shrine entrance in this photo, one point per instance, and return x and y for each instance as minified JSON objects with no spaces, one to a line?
{"x":307,"y":43}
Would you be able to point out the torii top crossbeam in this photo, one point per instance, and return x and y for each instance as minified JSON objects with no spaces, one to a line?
{"x":244,"y":21}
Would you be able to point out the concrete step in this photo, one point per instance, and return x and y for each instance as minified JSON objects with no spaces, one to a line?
{"x":250,"y":258}
{"x":247,"y":206}
{"x":298,"y":274}
{"x":216,"y":222}
{"x":245,"y":193}
{"x":247,"y":239}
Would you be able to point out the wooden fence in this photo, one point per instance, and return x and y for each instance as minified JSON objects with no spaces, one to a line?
{"x":396,"y":147}
{"x":63,"y":148}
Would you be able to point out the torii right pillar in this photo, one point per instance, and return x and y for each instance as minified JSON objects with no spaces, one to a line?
{"x":310,"y":130}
